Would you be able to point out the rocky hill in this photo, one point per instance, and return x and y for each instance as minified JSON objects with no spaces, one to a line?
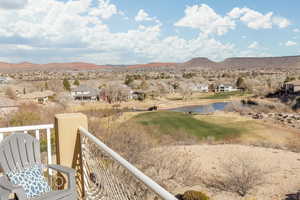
{"x":247,"y":62}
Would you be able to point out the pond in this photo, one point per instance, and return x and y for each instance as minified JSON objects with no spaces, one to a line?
{"x":202,"y":108}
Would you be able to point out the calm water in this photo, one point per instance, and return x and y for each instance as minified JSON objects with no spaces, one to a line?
{"x":202,"y":108}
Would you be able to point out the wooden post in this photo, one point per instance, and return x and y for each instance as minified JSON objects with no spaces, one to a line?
{"x":68,"y":144}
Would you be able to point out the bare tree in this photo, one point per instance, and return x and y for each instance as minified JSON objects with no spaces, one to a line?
{"x":11,"y":93}
{"x":166,"y":170}
{"x":239,"y":175}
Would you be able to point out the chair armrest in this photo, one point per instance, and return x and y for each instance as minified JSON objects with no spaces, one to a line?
{"x":8,"y":187}
{"x":4,"y":194}
{"x":65,"y":170}
{"x":68,"y":171}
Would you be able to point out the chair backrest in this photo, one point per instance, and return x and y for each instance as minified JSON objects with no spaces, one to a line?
{"x":19,"y":151}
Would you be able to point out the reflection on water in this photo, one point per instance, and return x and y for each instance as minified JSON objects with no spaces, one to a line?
{"x":202,"y":108}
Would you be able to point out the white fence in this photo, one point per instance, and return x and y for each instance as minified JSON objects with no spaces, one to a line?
{"x":37,"y":130}
{"x":140,"y":176}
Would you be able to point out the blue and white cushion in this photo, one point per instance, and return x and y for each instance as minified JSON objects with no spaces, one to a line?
{"x":31,"y":179}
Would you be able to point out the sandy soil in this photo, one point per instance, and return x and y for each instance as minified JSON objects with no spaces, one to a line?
{"x":282,"y":168}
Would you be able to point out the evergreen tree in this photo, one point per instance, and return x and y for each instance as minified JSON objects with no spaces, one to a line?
{"x":129,"y":79}
{"x":288,"y":79}
{"x":76,"y":82}
{"x":46,"y":85}
{"x":67,"y":85}
{"x":240,"y":83}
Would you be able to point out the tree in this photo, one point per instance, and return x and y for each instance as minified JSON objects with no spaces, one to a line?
{"x":129,"y":79}
{"x":67,"y":85}
{"x":76,"y":82}
{"x":211,"y":87}
{"x":288,"y":79}
{"x":144,"y":85}
{"x":46,"y":86}
{"x":240,"y":83}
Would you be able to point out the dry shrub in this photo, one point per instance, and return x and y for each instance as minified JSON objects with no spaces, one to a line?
{"x":168,"y":171}
{"x":293,"y":145}
{"x":28,"y":114}
{"x":239,"y":175}
{"x":10,"y":93}
{"x":193,"y":195}
{"x":127,"y":139}
{"x":236,"y":106}
{"x":130,"y":141}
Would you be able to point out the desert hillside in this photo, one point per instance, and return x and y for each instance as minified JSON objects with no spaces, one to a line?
{"x":201,"y":62}
{"x":247,"y":62}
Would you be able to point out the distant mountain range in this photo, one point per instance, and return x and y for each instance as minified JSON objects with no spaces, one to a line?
{"x":234,"y":63}
{"x":246,"y":62}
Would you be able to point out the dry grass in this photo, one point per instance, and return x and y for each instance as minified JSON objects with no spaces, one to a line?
{"x":256,"y":132}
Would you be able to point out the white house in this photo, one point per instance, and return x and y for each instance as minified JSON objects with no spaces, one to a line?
{"x":84,"y":92}
{"x":199,"y":88}
{"x":225,"y":88}
{"x":202,"y":87}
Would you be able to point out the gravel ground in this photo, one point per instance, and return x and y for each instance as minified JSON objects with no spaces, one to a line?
{"x":281,"y":168}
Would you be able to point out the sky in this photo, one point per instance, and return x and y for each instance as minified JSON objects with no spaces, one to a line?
{"x":143,"y":31}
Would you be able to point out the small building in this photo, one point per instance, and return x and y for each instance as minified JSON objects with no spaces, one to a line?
{"x":198,"y":87}
{"x":3,"y":80}
{"x":85,"y":93}
{"x":139,"y":95}
{"x":38,"y":97}
{"x":202,"y":88}
{"x":292,"y":87}
{"x":225,"y":88}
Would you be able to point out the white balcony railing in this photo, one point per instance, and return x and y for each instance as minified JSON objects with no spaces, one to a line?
{"x":37,"y":130}
{"x":108,"y":176}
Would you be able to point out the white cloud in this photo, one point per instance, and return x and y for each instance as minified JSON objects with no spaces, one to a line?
{"x":257,"y":20}
{"x":296,"y":30}
{"x":205,"y":19}
{"x":58,"y":31}
{"x":253,"y":45}
{"x":12,"y":4}
{"x":142,"y":15}
{"x":105,"y":9}
{"x":281,"y":22}
{"x":290,"y":43}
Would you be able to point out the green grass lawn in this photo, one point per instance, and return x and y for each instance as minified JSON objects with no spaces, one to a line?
{"x":168,"y":122}
{"x":224,"y":95}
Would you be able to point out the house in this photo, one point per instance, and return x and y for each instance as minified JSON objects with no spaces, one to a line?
{"x":85,"y":93}
{"x":139,"y":95}
{"x":116,"y":93}
{"x":3,"y":80}
{"x":292,"y":87}
{"x":198,"y":87}
{"x":225,"y":88}
{"x":39,"y":97}
{"x":202,"y":87}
